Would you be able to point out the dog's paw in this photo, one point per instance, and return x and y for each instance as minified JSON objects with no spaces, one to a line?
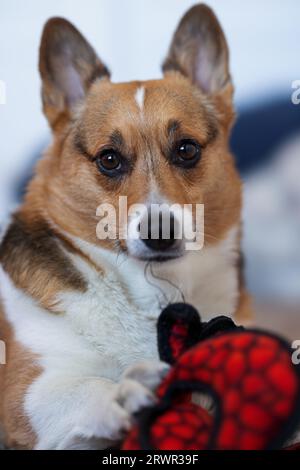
{"x":133,"y":396}
{"x":148,"y":373}
{"x":110,"y":421}
{"x":136,"y":389}
{"x":118,"y":421}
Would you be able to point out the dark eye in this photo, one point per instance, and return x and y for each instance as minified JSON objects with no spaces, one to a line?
{"x":187,"y":153}
{"x":109,"y":162}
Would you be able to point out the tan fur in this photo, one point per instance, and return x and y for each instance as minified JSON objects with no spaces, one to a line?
{"x":15,"y":377}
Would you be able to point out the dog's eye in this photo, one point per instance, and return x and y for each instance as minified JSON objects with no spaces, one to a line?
{"x":109,"y":162}
{"x":187,"y":153}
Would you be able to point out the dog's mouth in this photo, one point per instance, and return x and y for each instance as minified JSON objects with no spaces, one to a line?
{"x":160,"y":257}
{"x":142,"y":252}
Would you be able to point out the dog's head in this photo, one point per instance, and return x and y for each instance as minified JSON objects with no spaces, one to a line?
{"x":153,"y":142}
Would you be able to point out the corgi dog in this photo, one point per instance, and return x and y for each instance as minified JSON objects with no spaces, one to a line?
{"x":79,"y":313}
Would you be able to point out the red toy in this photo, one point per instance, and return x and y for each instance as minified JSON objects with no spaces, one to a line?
{"x":248,"y":374}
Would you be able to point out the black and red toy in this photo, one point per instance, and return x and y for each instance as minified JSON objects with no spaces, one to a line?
{"x":248,"y":374}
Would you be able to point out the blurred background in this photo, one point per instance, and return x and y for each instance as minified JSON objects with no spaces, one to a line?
{"x":132,"y":37}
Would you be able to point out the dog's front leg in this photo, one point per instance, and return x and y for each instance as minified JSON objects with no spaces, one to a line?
{"x":89,"y":413}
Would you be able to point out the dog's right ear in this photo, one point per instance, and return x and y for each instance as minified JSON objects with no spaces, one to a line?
{"x":68,"y":66}
{"x":199,"y":51}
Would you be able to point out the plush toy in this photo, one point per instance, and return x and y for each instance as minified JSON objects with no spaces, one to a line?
{"x":248,"y":374}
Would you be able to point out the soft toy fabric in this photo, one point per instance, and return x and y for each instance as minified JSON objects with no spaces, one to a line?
{"x":248,"y":374}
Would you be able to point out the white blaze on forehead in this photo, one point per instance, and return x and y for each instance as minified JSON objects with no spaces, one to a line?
{"x":139,"y":97}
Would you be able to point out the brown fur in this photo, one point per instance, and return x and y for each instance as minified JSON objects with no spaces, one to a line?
{"x":31,"y":255}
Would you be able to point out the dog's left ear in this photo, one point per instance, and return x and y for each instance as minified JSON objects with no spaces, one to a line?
{"x":199,"y":51}
{"x":68,"y":67}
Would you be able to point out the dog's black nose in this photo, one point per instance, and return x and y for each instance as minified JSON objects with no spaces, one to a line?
{"x":161,"y":233}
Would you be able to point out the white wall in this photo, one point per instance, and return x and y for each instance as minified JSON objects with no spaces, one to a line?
{"x":132,"y":36}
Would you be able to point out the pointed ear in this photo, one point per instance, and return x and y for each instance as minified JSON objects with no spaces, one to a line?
{"x":199,"y":50}
{"x":68,"y":66}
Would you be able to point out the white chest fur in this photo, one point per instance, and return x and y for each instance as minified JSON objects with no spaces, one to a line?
{"x":113,"y":324}
{"x":208,"y":278}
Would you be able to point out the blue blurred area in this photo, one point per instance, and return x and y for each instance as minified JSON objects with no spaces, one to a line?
{"x":260,"y":130}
